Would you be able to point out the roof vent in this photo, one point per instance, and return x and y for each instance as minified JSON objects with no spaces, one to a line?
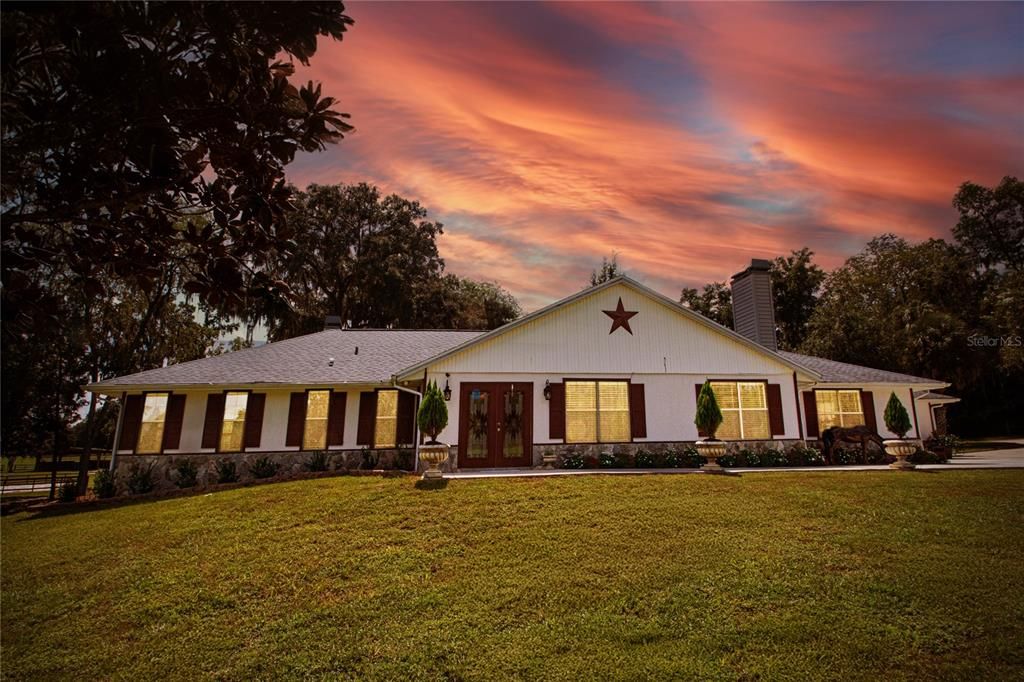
{"x":753,"y":310}
{"x":332,"y":322}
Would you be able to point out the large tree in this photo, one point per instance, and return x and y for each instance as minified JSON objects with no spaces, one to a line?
{"x":124,"y":121}
{"x":991,"y":222}
{"x":915,"y":308}
{"x":714,"y":302}
{"x":372,"y":260}
{"x":796,"y":282}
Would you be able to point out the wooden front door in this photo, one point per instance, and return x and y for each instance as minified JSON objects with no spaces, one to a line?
{"x":495,"y":425}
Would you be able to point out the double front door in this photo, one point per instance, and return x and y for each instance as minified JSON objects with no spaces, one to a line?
{"x":495,"y":425}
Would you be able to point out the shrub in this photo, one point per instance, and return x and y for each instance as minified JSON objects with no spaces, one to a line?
{"x":814,"y":457}
{"x":608,"y":461}
{"x":673,"y":459}
{"x":845,"y":456}
{"x":693,"y":459}
{"x":317,"y":461}
{"x":645,"y":459}
{"x":227,"y":472}
{"x":799,"y":455}
{"x":572,"y":460}
{"x":187,"y":472}
{"x":433,"y":414}
{"x":104,"y":485}
{"x":896,"y":418}
{"x":746,"y":457}
{"x":140,"y":479}
{"x":404,"y":460}
{"x":264,"y":467}
{"x":709,"y":415}
{"x":770,"y":457}
{"x":728,"y":460}
{"x":922,"y":456}
{"x":947,"y":442}
{"x":590,"y":462}
{"x":67,"y":492}
{"x":369,"y":459}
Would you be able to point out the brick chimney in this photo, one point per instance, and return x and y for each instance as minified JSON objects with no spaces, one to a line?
{"x":753,"y":310}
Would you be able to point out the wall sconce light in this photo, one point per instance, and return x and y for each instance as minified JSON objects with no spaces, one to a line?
{"x":447,"y":389}
{"x":547,"y":390}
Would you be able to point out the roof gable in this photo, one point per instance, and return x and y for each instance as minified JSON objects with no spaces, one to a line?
{"x":666,"y":338}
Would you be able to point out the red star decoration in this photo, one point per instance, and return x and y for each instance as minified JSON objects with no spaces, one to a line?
{"x":620,"y":317}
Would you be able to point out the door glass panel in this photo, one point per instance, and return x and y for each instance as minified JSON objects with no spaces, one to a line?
{"x":513,"y":419}
{"x":476,"y":447}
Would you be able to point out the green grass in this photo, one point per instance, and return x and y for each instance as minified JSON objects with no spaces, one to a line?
{"x":769,"y":576}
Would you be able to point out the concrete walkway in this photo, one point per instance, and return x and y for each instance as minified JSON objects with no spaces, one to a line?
{"x":989,"y":459}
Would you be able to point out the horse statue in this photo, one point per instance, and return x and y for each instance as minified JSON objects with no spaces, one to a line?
{"x":854,"y":434}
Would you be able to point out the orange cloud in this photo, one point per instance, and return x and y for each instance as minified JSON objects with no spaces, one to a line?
{"x":687,"y":138}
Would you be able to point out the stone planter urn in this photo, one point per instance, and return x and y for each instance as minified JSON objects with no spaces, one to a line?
{"x":900,"y":449}
{"x":434,"y":454}
{"x":711,"y":450}
{"x":550,"y":460}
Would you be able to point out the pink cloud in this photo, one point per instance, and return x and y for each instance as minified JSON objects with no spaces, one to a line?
{"x":792,"y":126}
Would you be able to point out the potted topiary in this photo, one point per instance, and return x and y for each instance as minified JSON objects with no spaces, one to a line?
{"x":707,"y":420}
{"x":432,"y":419}
{"x":898,"y":421}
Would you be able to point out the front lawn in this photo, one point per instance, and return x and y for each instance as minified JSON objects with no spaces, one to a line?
{"x":782,"y":575}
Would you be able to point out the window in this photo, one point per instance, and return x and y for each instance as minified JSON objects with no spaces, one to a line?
{"x":385,"y":432}
{"x":151,"y":432}
{"x":232,"y":430}
{"x":839,"y":408}
{"x":744,"y":410}
{"x":314,"y":435}
{"x":597,"y":412}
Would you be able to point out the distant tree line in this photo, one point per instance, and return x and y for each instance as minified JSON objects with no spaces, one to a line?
{"x":949,"y":310}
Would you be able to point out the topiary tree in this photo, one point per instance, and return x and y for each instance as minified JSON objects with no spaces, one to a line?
{"x":433,"y":415}
{"x":896,"y":418}
{"x":709,"y":415}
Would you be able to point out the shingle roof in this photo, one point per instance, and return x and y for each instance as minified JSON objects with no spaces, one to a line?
{"x":304,"y":360}
{"x":936,"y":397}
{"x":838,"y":372}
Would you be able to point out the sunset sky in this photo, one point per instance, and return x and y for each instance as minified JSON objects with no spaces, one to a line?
{"x":688,"y":138}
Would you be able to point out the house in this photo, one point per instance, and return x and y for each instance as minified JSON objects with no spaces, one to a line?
{"x":616,"y":366}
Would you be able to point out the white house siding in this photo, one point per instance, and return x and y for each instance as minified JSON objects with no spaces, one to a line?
{"x":670,"y":401}
{"x":575,"y":340}
{"x":275,"y":419}
{"x":921,"y":428}
{"x":668,"y":352}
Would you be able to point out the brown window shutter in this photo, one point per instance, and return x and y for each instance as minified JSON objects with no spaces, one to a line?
{"x":254,"y":406}
{"x":296,"y":420}
{"x":775,"y":417}
{"x":131,"y":422}
{"x":867,"y":403}
{"x":367,"y":417}
{"x":637,"y":411}
{"x":336,"y":418}
{"x":173,"y":421}
{"x":700,"y":431}
{"x":556,"y":412}
{"x":214,"y":420}
{"x":406,"y":418}
{"x":811,"y":412}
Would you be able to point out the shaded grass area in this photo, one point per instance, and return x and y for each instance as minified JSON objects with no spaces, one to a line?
{"x":823,"y":575}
